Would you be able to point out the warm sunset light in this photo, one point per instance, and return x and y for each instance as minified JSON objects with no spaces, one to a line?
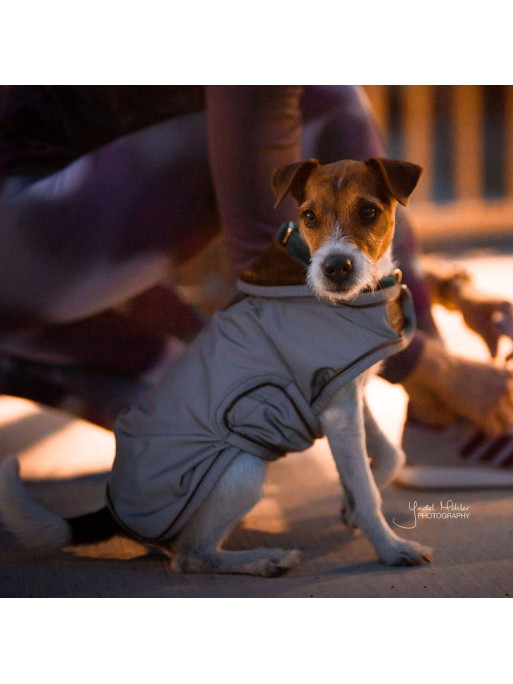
{"x":256,"y":341}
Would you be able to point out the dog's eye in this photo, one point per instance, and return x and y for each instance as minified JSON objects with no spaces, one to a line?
{"x":369,"y":212}
{"x":310,"y":218}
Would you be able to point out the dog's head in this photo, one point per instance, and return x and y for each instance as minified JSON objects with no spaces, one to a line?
{"x":346,"y":217}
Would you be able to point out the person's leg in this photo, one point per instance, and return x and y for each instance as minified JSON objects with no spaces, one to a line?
{"x":116,"y":221}
{"x":252,"y":130}
{"x":105,"y":228}
{"x":90,"y":237}
{"x":255,"y":129}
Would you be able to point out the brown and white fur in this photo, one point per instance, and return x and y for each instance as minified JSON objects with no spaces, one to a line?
{"x":346,"y":217}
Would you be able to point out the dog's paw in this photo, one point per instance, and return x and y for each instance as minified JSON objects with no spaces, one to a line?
{"x":280,"y":562}
{"x":402,"y":552}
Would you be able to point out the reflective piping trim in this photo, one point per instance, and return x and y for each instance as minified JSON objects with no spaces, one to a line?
{"x":260,"y":443}
{"x":130,"y":533}
{"x":375,"y":351}
{"x":162,"y":535}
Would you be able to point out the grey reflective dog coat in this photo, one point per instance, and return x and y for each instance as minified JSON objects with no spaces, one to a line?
{"x":256,"y":380}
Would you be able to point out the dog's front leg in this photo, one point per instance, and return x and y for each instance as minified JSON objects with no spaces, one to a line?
{"x":343,"y":423}
{"x":386,"y":458}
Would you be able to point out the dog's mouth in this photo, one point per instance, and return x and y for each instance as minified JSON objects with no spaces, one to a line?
{"x":333,"y":292}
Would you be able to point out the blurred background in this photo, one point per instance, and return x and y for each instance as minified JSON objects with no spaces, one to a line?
{"x":463,"y":137}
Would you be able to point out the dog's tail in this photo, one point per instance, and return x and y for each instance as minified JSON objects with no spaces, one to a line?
{"x":34,"y":526}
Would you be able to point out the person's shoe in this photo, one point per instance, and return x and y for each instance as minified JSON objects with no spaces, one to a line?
{"x":455,"y":456}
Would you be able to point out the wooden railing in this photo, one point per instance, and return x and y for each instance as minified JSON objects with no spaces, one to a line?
{"x":463,"y":137}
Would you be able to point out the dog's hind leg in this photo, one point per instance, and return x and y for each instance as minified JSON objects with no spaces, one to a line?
{"x":197,"y":547}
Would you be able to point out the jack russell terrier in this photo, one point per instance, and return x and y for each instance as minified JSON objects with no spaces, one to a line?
{"x":281,"y":366}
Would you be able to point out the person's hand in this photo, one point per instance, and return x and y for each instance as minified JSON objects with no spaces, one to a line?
{"x":443,"y":386}
{"x":489,"y":316}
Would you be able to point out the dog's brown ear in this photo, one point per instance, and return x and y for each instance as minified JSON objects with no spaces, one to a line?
{"x":400,"y":177}
{"x":292,"y":178}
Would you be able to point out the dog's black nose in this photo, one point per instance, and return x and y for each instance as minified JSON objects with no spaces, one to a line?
{"x":337,"y":267}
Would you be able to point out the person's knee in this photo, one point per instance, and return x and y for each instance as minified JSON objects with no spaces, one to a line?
{"x":341,"y":126}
